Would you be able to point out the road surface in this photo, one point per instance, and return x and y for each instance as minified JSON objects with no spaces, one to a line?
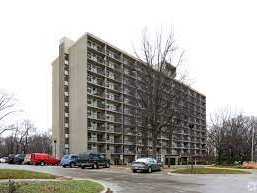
{"x":122,"y":180}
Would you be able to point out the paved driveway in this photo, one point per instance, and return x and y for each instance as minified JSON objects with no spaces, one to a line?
{"x":123,"y":181}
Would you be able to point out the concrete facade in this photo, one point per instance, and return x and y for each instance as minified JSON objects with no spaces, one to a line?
{"x":94,"y":108}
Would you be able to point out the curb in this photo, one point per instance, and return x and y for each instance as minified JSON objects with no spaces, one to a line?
{"x":105,"y":190}
{"x":175,"y":174}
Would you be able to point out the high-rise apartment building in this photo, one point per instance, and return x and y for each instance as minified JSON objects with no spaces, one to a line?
{"x":94,"y":107}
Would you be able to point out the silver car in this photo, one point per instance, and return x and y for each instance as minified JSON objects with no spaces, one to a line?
{"x":145,"y":165}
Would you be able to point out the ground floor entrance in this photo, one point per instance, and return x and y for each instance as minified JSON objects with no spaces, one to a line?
{"x":119,"y":159}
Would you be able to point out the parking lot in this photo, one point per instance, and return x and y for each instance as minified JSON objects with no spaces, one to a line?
{"x":122,"y":180}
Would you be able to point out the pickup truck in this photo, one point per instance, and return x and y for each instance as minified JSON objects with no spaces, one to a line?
{"x":92,"y":160}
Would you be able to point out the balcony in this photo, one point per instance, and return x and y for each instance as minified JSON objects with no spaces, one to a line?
{"x":92,"y":139}
{"x":130,"y":73}
{"x":129,"y":131}
{"x":110,"y":141}
{"x":96,"y":104}
{"x":96,"y":58}
{"x":95,"y":46}
{"x":92,"y":127}
{"x":129,"y":152}
{"x":129,"y":112}
{"x":102,"y":150}
{"x":101,"y":139}
{"x":113,"y":119}
{"x":117,"y":130}
{"x":129,"y":102}
{"x":114,"y":109}
{"x":110,"y":74}
{"x":97,"y":71}
{"x":119,"y":141}
{"x":117,"y":151}
{"x":130,"y":93}
{"x":109,"y":128}
{"x":100,"y":117}
{"x":114,"y":66}
{"x":97,"y":94}
{"x":139,"y":142}
{"x":113,"y":55}
{"x":98,"y":82}
{"x":100,"y":128}
{"x":129,"y":142}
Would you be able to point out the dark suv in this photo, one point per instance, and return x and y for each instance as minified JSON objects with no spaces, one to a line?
{"x":92,"y":160}
{"x":16,"y":159}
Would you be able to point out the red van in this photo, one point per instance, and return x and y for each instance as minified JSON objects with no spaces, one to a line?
{"x":44,"y":159}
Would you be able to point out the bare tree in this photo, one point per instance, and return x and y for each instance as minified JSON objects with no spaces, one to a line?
{"x":230,"y":137}
{"x":25,"y":138}
{"x":25,"y":128}
{"x":159,"y":97}
{"x":7,"y":107}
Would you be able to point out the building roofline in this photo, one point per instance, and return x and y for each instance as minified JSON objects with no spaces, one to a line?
{"x":135,"y":58}
{"x":116,"y":48}
{"x":55,"y":60}
{"x":120,"y":50}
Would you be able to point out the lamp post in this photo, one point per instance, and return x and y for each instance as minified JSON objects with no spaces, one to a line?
{"x":253,"y":133}
{"x":55,"y":148}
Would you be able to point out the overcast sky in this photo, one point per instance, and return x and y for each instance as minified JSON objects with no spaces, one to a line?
{"x":219,"y":37}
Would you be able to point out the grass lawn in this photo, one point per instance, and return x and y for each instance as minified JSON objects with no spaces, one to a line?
{"x":69,"y":186}
{"x":210,"y":171}
{"x":22,"y":174}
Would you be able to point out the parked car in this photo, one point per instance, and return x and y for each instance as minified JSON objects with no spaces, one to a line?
{"x":27,"y":159}
{"x":4,"y":160}
{"x":145,"y":165}
{"x":93,"y":160}
{"x":44,"y":159}
{"x":10,"y":159}
{"x":69,"y":160}
{"x":19,"y":158}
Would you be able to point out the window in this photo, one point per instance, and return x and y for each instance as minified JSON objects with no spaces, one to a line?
{"x":89,"y":89}
{"x":89,"y":77}
{"x":73,"y":157}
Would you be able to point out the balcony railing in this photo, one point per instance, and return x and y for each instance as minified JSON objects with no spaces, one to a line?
{"x":92,"y":139}
{"x":93,"y":127}
{"x":113,"y":55}
{"x":117,"y":130}
{"x":126,"y":151}
{"x":117,"y":151}
{"x":130,"y":142}
{"x":96,"y":47}
{"x":101,"y":139}
{"x":96,"y":81}
{"x":117,"y":141}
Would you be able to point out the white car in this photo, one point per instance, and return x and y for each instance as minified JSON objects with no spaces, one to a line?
{"x":3,"y":160}
{"x":145,"y":165}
